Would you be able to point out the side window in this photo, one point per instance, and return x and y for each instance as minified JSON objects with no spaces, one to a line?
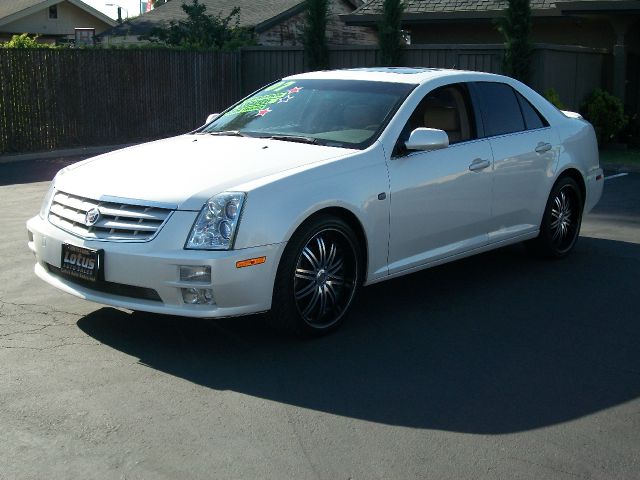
{"x":532,"y":118}
{"x":446,"y":108}
{"x":500,"y":108}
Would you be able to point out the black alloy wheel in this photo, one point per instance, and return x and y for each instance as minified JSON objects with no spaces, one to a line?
{"x":561,"y":221}
{"x":317,"y":278}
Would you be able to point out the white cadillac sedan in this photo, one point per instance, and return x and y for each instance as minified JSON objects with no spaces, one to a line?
{"x":319,"y":183}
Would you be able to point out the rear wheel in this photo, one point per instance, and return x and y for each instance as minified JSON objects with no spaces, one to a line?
{"x":561,"y":221}
{"x":317,"y":278}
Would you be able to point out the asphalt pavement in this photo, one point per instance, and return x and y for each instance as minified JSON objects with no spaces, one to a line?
{"x":496,"y":366}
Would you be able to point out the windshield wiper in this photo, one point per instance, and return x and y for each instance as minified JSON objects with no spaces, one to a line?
{"x":294,"y":138}
{"x":231,"y":133}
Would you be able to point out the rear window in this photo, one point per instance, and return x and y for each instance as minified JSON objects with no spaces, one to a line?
{"x":532,"y":118}
{"x":500,"y":109}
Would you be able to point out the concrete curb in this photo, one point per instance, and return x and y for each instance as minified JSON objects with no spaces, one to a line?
{"x":67,"y":152}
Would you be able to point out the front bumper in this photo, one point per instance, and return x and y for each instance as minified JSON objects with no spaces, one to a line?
{"x":155,"y":266}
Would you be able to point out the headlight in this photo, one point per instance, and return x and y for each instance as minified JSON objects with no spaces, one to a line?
{"x":46,"y":201}
{"x":216,"y":225}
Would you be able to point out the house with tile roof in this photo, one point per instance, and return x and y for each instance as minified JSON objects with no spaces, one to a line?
{"x":613,"y":25}
{"x":274,"y":22}
{"x":51,"y":20}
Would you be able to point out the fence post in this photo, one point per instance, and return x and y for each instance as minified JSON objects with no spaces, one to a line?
{"x":239,"y":77}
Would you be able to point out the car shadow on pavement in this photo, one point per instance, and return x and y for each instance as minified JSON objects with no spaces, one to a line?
{"x":492,"y":344}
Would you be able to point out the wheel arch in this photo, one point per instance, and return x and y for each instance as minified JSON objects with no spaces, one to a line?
{"x":575,"y":174}
{"x":352,"y":220}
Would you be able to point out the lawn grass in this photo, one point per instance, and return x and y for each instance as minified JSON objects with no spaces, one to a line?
{"x":620,"y":157}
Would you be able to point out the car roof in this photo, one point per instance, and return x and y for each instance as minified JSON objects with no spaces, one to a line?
{"x":411,"y":75}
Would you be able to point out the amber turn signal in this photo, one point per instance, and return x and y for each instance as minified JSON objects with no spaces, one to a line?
{"x":250,"y":262}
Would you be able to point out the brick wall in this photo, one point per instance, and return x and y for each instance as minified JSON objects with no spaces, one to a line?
{"x":289,"y":32}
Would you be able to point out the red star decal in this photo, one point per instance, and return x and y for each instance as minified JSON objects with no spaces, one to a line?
{"x":263,"y":112}
{"x":295,"y":89}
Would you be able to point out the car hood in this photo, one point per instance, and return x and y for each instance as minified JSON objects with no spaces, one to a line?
{"x":185,"y":171}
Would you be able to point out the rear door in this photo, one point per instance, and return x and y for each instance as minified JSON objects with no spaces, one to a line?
{"x":525,"y":151}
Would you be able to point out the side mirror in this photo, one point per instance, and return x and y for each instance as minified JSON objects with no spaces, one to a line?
{"x":211,"y":118}
{"x":427,"y":139}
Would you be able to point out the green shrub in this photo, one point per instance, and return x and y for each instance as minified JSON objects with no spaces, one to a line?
{"x":201,"y":31}
{"x":553,"y":97}
{"x":630,"y":134}
{"x":24,"y":41}
{"x":606,"y":114}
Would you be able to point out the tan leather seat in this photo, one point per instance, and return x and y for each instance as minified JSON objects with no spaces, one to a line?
{"x":444,"y":118}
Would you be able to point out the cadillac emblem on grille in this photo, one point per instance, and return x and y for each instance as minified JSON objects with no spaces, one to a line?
{"x":92,"y":217}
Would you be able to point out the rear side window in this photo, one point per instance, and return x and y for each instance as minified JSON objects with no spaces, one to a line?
{"x":532,"y":117}
{"x":500,"y":108}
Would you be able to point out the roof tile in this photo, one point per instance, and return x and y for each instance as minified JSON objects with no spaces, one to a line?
{"x":252,"y":12}
{"x":419,"y":6}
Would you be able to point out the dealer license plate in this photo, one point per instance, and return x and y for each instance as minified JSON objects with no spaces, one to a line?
{"x":83,"y":263}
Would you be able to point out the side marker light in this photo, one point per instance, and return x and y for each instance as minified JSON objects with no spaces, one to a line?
{"x":250,"y":262}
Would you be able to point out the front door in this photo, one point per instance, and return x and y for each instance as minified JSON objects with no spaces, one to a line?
{"x":440,"y":199}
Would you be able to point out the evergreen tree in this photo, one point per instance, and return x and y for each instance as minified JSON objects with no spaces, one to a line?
{"x":314,"y":37}
{"x":515,"y":26}
{"x":390,"y":33}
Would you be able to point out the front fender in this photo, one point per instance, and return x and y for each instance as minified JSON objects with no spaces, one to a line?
{"x":276,"y":209}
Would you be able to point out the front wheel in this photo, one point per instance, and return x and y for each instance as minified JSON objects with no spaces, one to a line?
{"x":561,"y":221}
{"x":317,"y":278}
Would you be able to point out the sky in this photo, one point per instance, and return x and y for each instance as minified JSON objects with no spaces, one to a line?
{"x":133,"y":6}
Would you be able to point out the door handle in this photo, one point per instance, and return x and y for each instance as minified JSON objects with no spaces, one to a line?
{"x":543,"y":147}
{"x":479,"y":164}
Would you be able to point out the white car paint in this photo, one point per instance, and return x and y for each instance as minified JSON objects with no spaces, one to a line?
{"x":415,"y":211}
{"x":179,"y":171}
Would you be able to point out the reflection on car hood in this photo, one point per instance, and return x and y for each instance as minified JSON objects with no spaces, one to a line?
{"x":185,"y":171}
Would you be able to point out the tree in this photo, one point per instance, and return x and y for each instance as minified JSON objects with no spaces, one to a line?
{"x":201,"y":31}
{"x":24,"y":41}
{"x":314,"y":37}
{"x":515,"y":27}
{"x":390,"y":37}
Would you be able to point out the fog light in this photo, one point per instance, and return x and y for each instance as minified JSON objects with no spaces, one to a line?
{"x":197,"y":296}
{"x":195,"y":273}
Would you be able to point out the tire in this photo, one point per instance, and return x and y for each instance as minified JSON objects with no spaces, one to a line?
{"x":317,"y":278}
{"x":561,"y":221}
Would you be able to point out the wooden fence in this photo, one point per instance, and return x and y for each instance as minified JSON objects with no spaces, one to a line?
{"x":261,"y":65}
{"x":53,"y":99}
{"x":60,"y":98}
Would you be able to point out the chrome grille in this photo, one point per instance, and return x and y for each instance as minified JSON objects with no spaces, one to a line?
{"x":123,"y":222}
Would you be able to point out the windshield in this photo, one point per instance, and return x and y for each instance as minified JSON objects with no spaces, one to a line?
{"x":342,"y":113}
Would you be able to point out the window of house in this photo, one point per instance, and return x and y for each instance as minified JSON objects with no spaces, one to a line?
{"x":53,"y":12}
{"x":500,"y":108}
